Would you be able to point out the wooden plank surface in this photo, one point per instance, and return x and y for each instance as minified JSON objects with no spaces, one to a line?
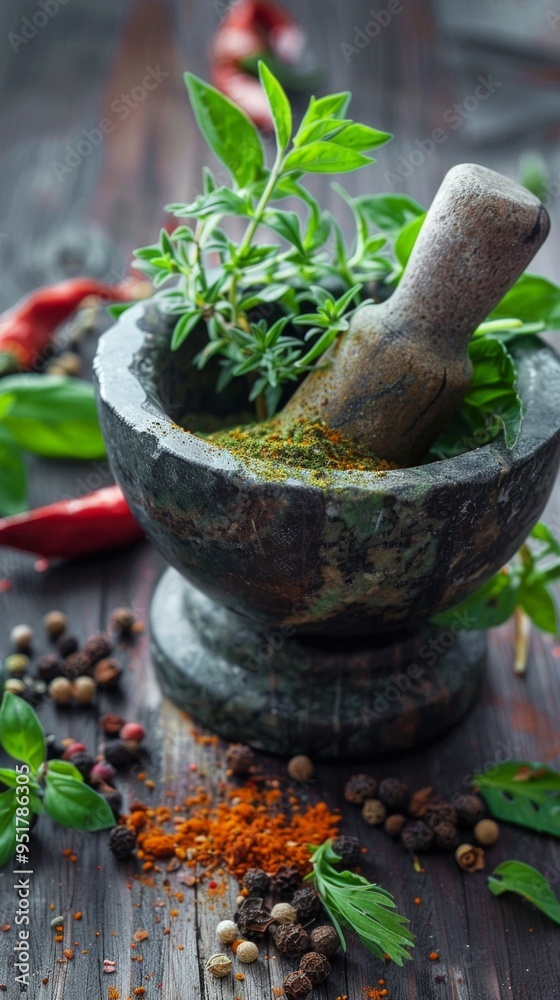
{"x":408,"y":78}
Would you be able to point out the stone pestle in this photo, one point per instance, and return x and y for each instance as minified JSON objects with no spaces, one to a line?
{"x":400,"y":371}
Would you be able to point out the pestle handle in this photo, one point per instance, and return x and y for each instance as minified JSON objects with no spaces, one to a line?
{"x":480,"y":234}
{"x":400,"y":371}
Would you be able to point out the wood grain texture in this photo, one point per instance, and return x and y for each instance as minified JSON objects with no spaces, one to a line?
{"x":65,"y":79}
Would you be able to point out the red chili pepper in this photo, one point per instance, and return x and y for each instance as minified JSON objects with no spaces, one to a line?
{"x":27,"y":328}
{"x":70,"y":528}
{"x":249,"y":29}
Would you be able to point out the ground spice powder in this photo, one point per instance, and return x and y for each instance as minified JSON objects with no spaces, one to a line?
{"x":253,"y":828}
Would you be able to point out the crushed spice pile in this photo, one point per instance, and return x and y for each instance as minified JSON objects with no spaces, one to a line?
{"x":249,"y":830}
{"x":302,"y":445}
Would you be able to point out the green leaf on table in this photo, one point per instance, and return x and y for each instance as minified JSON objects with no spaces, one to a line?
{"x":53,"y":416}
{"x":8,"y":806}
{"x":491,"y":605}
{"x":404,"y":244}
{"x":231,"y":135}
{"x":516,"y":876}
{"x":13,"y":475}
{"x":325,"y":158}
{"x":524,"y":793}
{"x":21,"y":733}
{"x":354,"y":903}
{"x":279,"y":105}
{"x":74,"y":804}
{"x":531,"y":299}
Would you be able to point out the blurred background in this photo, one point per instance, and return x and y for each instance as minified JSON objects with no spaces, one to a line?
{"x":484,"y":75}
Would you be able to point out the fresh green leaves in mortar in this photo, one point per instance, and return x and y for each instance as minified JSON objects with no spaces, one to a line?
{"x":526,"y":583}
{"x":524,"y":793}
{"x":360,"y":906}
{"x":55,"y":787}
{"x":516,"y":876}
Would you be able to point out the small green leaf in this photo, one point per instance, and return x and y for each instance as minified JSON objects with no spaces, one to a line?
{"x":516,"y":876}
{"x":279,"y":105}
{"x":8,"y":806}
{"x":231,"y":135}
{"x":74,"y":804}
{"x":287,"y":225}
{"x":360,"y":137}
{"x":115,"y":311}
{"x":537,"y":601}
{"x":390,"y":213}
{"x":524,"y":793}
{"x":21,"y":733}
{"x":319,"y":347}
{"x":325,"y":158}
{"x":8,"y":777}
{"x":404,"y":244}
{"x":531,"y":299}
{"x":53,"y":415}
{"x":13,"y":475}
{"x":493,"y":390}
{"x":186,"y":325}
{"x":491,"y":605}
{"x":332,"y":106}
{"x":64,"y":767}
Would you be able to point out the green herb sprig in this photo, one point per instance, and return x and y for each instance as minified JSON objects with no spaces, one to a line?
{"x":355,"y":904}
{"x":526,"y":582}
{"x":38,"y":785}
{"x":516,"y":876}
{"x":48,"y":415}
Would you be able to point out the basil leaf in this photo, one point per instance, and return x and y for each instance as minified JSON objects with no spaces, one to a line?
{"x":8,"y":777}
{"x":325,"y":158}
{"x":231,"y":135}
{"x":516,"y":876}
{"x":537,"y":601}
{"x":8,"y":806}
{"x":531,"y":299}
{"x":493,"y":391}
{"x":524,"y":793}
{"x":389,"y":213}
{"x":331,"y":106}
{"x":13,"y":475}
{"x":53,"y":415}
{"x":491,"y":605}
{"x":279,"y":105}
{"x":74,"y":804}
{"x":64,"y":767}
{"x":21,"y":733}
{"x":406,"y":239}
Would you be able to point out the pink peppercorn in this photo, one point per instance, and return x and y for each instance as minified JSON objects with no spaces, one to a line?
{"x":132,"y":731}
{"x":102,"y":771}
{"x":72,"y":749}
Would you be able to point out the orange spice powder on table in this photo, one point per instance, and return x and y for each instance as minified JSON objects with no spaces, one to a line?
{"x":250,"y":830}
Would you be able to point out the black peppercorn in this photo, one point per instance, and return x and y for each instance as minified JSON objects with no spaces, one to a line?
{"x":252,"y":918}
{"x":285,"y":882}
{"x":325,"y":940}
{"x":122,"y":842}
{"x":447,"y":836}
{"x":48,"y":667}
{"x":315,"y":966}
{"x":54,"y":750}
{"x":417,"y":837}
{"x":67,"y":645}
{"x":291,"y":940}
{"x":470,"y":809}
{"x":359,"y":788}
{"x":97,"y":647}
{"x":440,"y":812}
{"x":350,"y":851}
{"x":239,"y":758}
{"x":393,"y":793}
{"x":75,"y":665}
{"x":307,"y":903}
{"x":297,"y":985}
{"x":256,"y":881}
{"x":117,"y":754}
{"x":112,"y":797}
{"x":83,"y":762}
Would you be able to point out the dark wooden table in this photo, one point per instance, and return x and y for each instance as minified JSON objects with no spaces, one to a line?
{"x":62,"y":216}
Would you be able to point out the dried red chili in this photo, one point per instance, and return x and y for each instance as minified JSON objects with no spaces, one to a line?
{"x":27,"y":328}
{"x":253,"y":28}
{"x":69,"y":528}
